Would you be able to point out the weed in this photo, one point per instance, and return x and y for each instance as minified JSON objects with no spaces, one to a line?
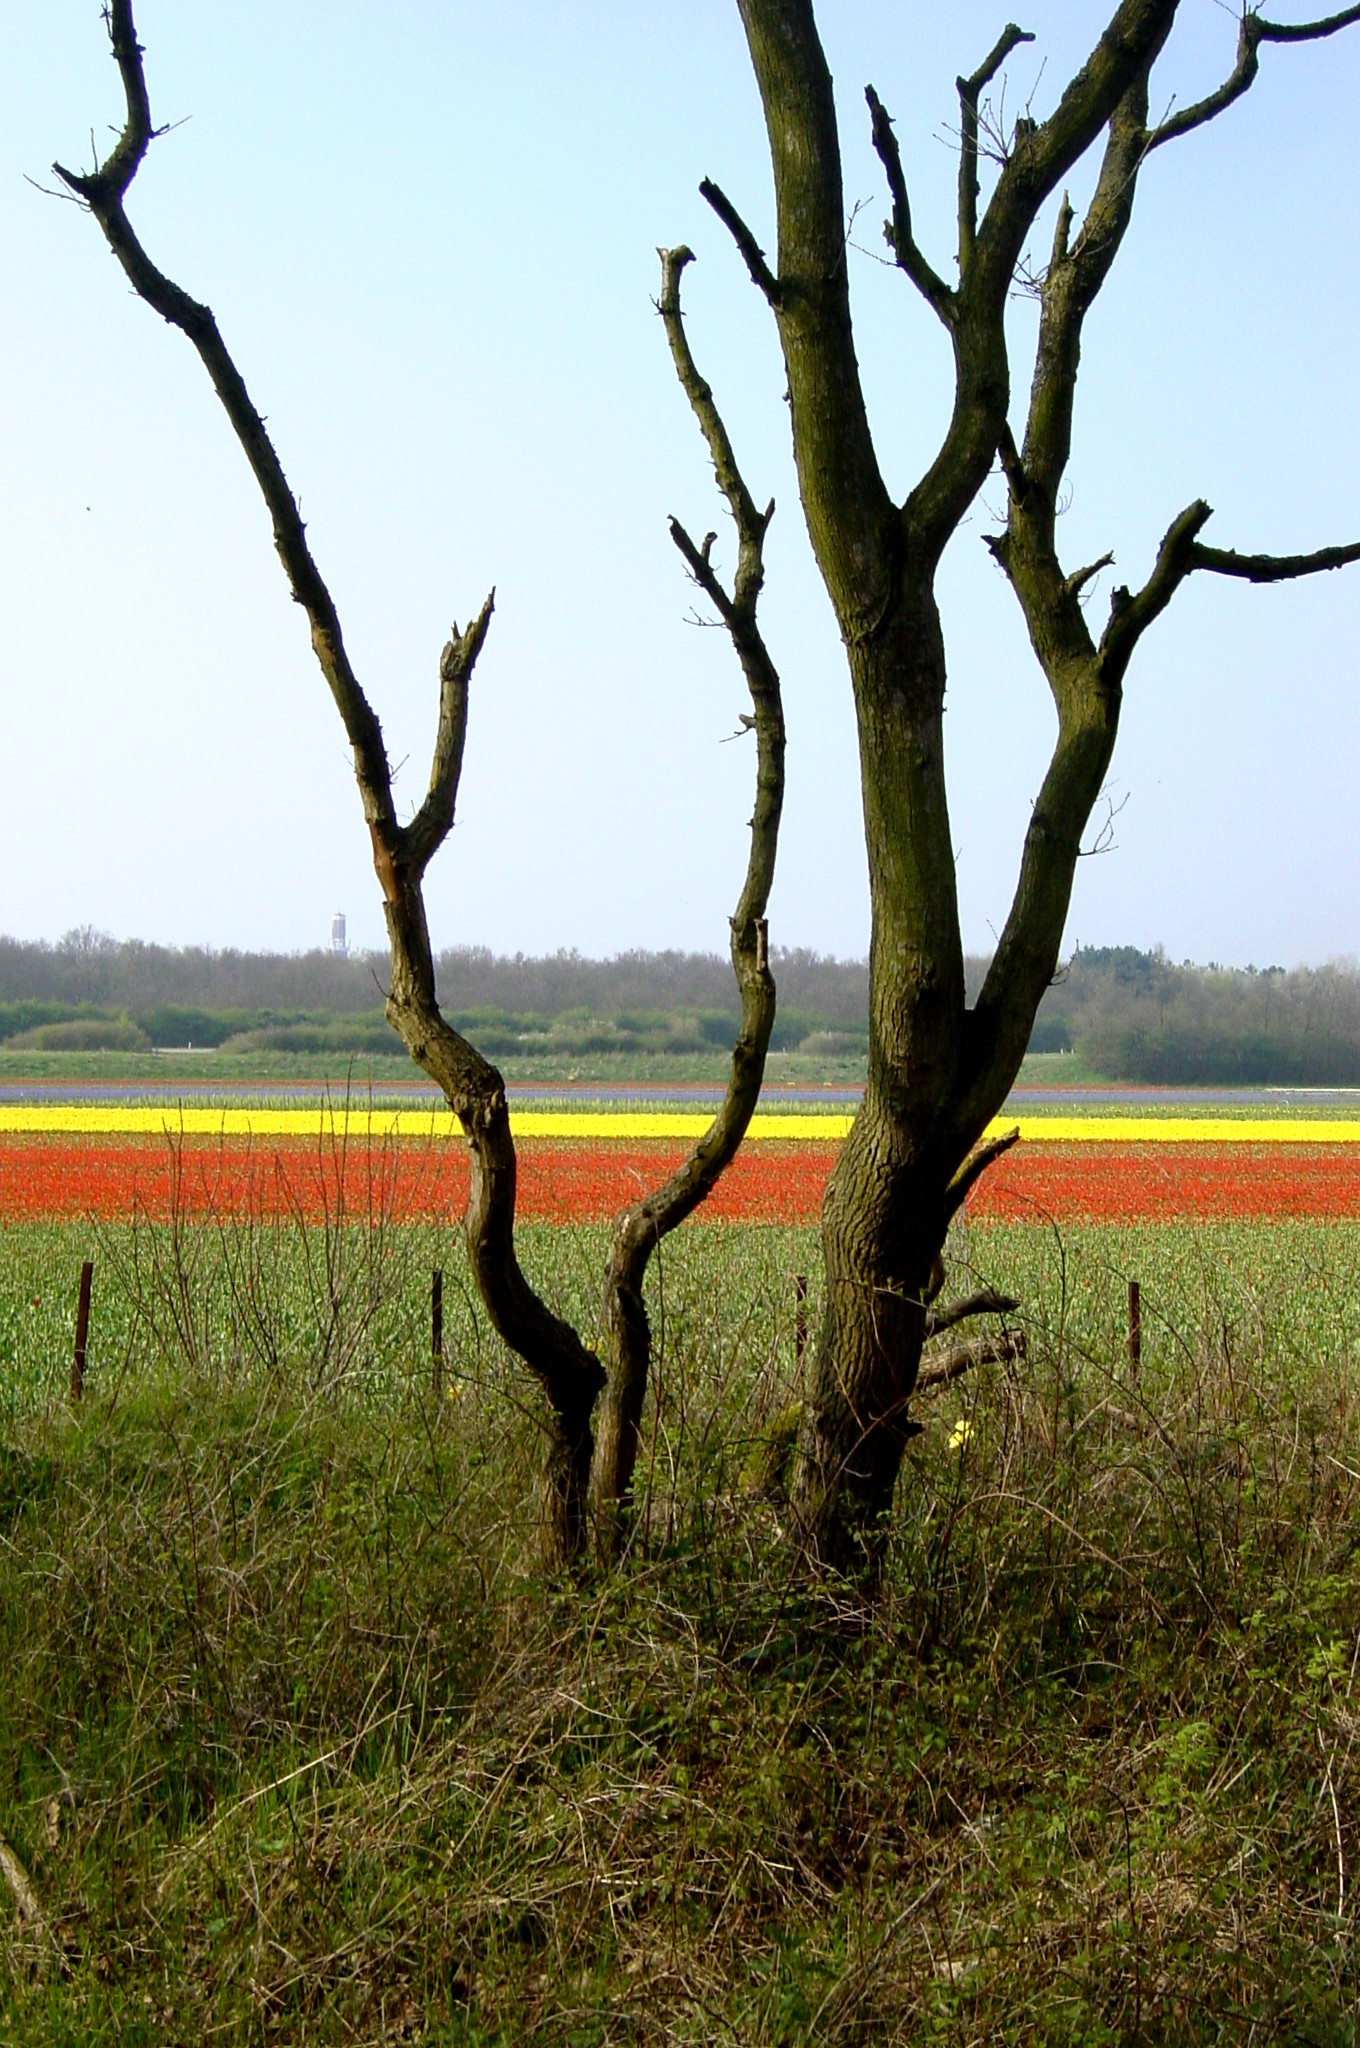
{"x":297,"y":1744}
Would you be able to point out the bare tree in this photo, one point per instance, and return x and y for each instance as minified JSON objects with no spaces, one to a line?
{"x":938,"y":1069}
{"x":568,"y":1370}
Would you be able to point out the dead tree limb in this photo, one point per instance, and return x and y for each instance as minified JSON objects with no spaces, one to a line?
{"x":21,"y":1890}
{"x":940,"y":1369}
{"x":568,"y":1372}
{"x":641,"y":1228}
{"x":986,"y":1302}
{"x":897,"y":229}
{"x":1272,"y":568}
{"x":752,"y":255}
{"x":1253,"y":30}
{"x":970,"y":91}
{"x":973,"y":1168}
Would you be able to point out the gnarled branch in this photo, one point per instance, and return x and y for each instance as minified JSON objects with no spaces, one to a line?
{"x":897,"y":231}
{"x":1306,"y":31}
{"x":1132,"y":613}
{"x":432,"y":823}
{"x":947,"y":1366}
{"x":970,"y":91}
{"x":1252,"y":32}
{"x":1078,"y":580}
{"x":750,"y":522}
{"x":973,"y":1168}
{"x":1272,"y":568}
{"x":1180,"y":555}
{"x":641,"y":1227}
{"x":568,"y":1372}
{"x":985,"y":1302}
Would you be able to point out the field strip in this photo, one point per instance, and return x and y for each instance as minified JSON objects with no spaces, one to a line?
{"x":360,"y":1124}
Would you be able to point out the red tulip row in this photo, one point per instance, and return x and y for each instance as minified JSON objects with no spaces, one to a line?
{"x":563,"y":1181}
{"x":558,"y":1181}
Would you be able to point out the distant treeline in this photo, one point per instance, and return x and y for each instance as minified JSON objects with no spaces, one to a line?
{"x":1137,"y":1017}
{"x":89,"y":991}
{"x":1130,"y":1015}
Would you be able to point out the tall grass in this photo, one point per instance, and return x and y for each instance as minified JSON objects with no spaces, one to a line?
{"x":297,"y":1744}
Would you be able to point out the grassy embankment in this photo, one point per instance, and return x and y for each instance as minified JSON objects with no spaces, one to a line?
{"x":297,"y":1745}
{"x":162,"y":1072}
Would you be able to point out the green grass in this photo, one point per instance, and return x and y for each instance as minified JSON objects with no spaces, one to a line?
{"x":230,"y":1071}
{"x":297,"y":1745}
{"x":1059,"y":1070}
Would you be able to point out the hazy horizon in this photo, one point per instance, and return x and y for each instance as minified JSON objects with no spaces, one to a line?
{"x":453,"y":339}
{"x":1349,"y":961}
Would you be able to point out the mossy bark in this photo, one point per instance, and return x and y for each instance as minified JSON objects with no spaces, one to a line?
{"x":937,"y":1070}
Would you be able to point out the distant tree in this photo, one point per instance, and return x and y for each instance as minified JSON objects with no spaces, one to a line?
{"x":569,"y":1371}
{"x":939,"y":1070}
{"x":1135,"y":1017}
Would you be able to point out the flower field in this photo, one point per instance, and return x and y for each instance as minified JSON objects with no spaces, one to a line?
{"x":112,"y":1176}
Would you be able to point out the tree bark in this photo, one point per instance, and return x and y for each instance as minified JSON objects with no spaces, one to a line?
{"x":938,"y":1072}
{"x":641,"y":1227}
{"x":886,"y":1208}
{"x":569,"y":1373}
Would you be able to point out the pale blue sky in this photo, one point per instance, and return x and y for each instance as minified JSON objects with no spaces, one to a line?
{"x":429,"y":239}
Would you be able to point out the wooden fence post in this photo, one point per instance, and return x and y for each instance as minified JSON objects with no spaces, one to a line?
{"x":1135,"y":1329}
{"x":82,"y":1332}
{"x":437,"y":1333}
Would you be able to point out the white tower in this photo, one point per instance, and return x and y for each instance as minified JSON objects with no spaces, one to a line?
{"x":339,"y":943}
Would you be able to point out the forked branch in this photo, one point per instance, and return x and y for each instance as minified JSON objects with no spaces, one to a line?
{"x":1131,"y":613}
{"x":970,"y":91}
{"x":1180,"y":555}
{"x":1037,"y":160}
{"x":1253,"y":30}
{"x":641,"y":1228}
{"x":433,"y":822}
{"x":568,"y":1372}
{"x":738,"y":610}
{"x":750,"y":523}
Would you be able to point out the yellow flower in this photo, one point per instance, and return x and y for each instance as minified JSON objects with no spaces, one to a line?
{"x":961,"y":1434}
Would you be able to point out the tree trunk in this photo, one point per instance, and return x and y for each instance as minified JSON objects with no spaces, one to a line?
{"x":569,"y":1373}
{"x":876,"y":1245}
{"x":887,"y":1204}
{"x":640,"y":1229}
